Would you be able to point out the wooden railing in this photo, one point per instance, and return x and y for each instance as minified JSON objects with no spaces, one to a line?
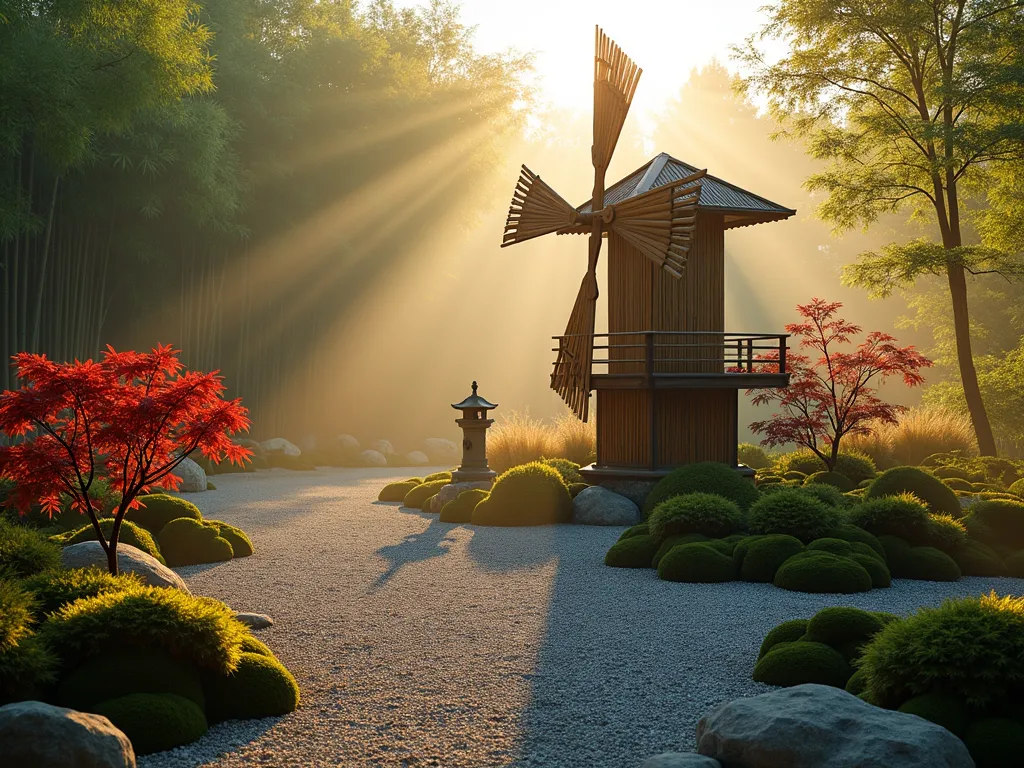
{"x":652,"y":353}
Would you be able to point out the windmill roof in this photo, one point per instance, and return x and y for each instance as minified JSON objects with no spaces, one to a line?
{"x":741,"y":208}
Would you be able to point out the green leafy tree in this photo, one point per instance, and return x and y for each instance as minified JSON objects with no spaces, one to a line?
{"x":911,"y":104}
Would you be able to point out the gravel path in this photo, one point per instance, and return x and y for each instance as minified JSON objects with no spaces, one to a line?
{"x":419,"y":643}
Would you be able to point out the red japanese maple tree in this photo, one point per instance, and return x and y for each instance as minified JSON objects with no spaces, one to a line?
{"x":834,"y":394}
{"x":130,"y":418}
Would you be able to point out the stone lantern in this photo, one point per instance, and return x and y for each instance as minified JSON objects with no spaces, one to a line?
{"x":474,"y":423}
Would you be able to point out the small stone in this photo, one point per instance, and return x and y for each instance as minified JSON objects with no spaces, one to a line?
{"x":373,"y":458}
{"x":452,"y":490}
{"x":255,"y":620}
{"x":36,"y":734}
{"x":599,"y":506}
{"x":417,"y":459}
{"x":193,"y":477}
{"x":680,"y":760}
{"x":129,"y":560}
{"x":280,"y":445}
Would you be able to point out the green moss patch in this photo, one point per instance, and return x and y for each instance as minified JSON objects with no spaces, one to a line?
{"x":155,"y":722}
{"x":132,"y":670}
{"x":765,"y":555}
{"x":634,"y":552}
{"x":948,"y":711}
{"x":186,"y":541}
{"x":159,"y":510}
{"x":703,"y":477}
{"x":530,"y":494}
{"x":460,"y":509}
{"x":800,"y":662}
{"x":841,"y":624}
{"x":822,"y":572}
{"x":397,"y":491}
{"x":703,"y":513}
{"x":786,"y":632}
{"x":241,"y":544}
{"x":259,"y":687}
{"x":938,"y":497}
{"x":929,"y":564}
{"x":697,"y":563}
{"x":129,"y":533}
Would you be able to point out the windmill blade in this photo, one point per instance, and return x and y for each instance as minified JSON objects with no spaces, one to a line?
{"x":615,"y":80}
{"x":536,"y":210}
{"x":661,"y":223}
{"x":571,"y":375}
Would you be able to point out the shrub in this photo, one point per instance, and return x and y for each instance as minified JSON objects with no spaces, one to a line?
{"x":822,"y":572}
{"x":130,"y":534}
{"x":969,"y":648}
{"x":635,"y":530}
{"x":900,"y":515}
{"x":188,"y":542}
{"x":764,"y":556}
{"x":922,"y":432}
{"x":753,"y":456}
{"x":421,"y":494}
{"x":958,"y":485}
{"x":765,"y":480}
{"x":568,"y":470}
{"x":795,"y":475}
{"x":397,"y":491}
{"x":518,"y":439}
{"x":792,"y":513}
{"x":853,"y":465}
{"x":957,"y":473}
{"x":704,"y":513}
{"x":259,"y":687}
{"x":826,"y":494}
{"x":241,"y":544}
{"x":197,"y":630}
{"x":802,"y":662}
{"x":841,"y":624}
{"x":433,"y":477}
{"x":26,"y":669}
{"x":633,"y":552}
{"x":155,"y":722}
{"x":997,"y":521}
{"x":112,"y":675}
{"x":24,"y":551}
{"x":575,"y":489}
{"x":929,"y":564}
{"x":877,"y":570}
{"x":943,"y":532}
{"x":1015,"y":565}
{"x":672,"y":541}
{"x":532,"y":494}
{"x":786,"y":632}
{"x":696,"y":563}
{"x":833,"y":546}
{"x":942,"y":709}
{"x":802,"y":460}
{"x":703,"y":477}
{"x":460,"y":509}
{"x":995,"y":742}
{"x":852,"y":533}
{"x":56,"y":588}
{"x":575,"y":440}
{"x":925,"y":486}
{"x":834,"y":479}
{"x":856,"y":465}
{"x":160,"y":509}
{"x":1017,"y":487}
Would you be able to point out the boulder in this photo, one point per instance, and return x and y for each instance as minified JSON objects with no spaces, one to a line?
{"x":417,"y":459}
{"x":680,"y":760}
{"x":252,"y":445}
{"x":255,"y":620}
{"x":441,"y":451}
{"x":193,"y":477}
{"x":452,"y":490}
{"x":810,"y":726}
{"x":347,"y":445}
{"x":129,"y":560}
{"x":280,"y":445}
{"x":373,"y":458}
{"x":308,"y":442}
{"x":36,"y":734}
{"x":599,"y":506}
{"x":385,"y":447}
{"x":636,"y":491}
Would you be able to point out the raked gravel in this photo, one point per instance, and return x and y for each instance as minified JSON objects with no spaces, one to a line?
{"x":420,"y":643}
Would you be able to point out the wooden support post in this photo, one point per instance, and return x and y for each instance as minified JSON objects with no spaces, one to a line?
{"x":652,"y":411}
{"x":782,"y":354}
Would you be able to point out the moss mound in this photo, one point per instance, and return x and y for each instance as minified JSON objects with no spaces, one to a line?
{"x":25,"y":552}
{"x":997,"y":522}
{"x":704,"y":513}
{"x":397,"y":491}
{"x":446,"y":476}
{"x":696,"y":563}
{"x":54,"y":589}
{"x":948,"y":711}
{"x":1015,"y":565}
{"x":854,"y":534}
{"x":241,"y":544}
{"x":835,"y":546}
{"x":530,"y":494}
{"x":896,"y":552}
{"x":460,"y":509}
{"x":120,"y":673}
{"x":673,"y":541}
{"x":855,"y":466}
{"x":765,"y":555}
{"x":259,"y":687}
{"x":633,"y":552}
{"x":975,"y":559}
{"x":835,"y":479}
{"x":929,"y":564}
{"x":753,"y":456}
{"x":130,"y":533}
{"x":251,"y":645}
{"x":822,"y":572}
{"x":995,"y":742}
{"x":786,"y":632}
{"x":422,"y":493}
{"x":703,"y":477}
{"x":826,"y":494}
{"x":881,"y":578}
{"x":938,"y":497}
{"x":902,"y":515}
{"x":857,"y":683}
{"x":186,"y":541}
{"x":155,"y":722}
{"x":568,"y":470}
{"x":841,"y":624}
{"x":792,"y":513}
{"x":635,"y":530}
{"x":159,"y":510}
{"x":802,"y":662}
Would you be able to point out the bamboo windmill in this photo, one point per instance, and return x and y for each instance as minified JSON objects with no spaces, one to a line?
{"x":666,"y":318}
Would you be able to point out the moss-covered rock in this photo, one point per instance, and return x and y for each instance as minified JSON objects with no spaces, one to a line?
{"x":840,"y":624}
{"x":1015,"y":565}
{"x":995,"y":742}
{"x":997,"y":522}
{"x":975,"y":559}
{"x":703,"y":513}
{"x":802,"y":662}
{"x":897,"y":551}
{"x":929,"y":564}
{"x":159,"y":510}
{"x":786,"y":632}
{"x":835,"y":546}
{"x":397,"y":491}
{"x":835,"y":479}
{"x":186,"y":541}
{"x":241,"y":544}
{"x":857,"y":683}
{"x":155,"y":722}
{"x":881,"y":577}
{"x":634,"y":552}
{"x":792,"y":513}
{"x":697,"y":563}
{"x":822,"y":572}
{"x":446,"y":476}
{"x":460,"y":509}
{"x":251,"y":645}
{"x":131,"y":670}
{"x":938,"y":497}
{"x":635,"y":530}
{"x":530,"y":494}
{"x":957,"y":484}
{"x":766,"y":554}
{"x":852,"y":533}
{"x":672,"y":541}
{"x":259,"y":687}
{"x":950,"y":712}
{"x":703,"y":477}
{"x":129,"y":533}
{"x":422,"y":493}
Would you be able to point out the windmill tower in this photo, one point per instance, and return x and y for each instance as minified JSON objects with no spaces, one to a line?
{"x":667,"y":374}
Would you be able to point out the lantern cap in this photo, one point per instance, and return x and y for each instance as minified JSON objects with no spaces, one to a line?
{"x":474,"y":401}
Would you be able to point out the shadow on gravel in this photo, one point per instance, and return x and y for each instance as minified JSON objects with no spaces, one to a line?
{"x":414,"y":548}
{"x":500,"y":549}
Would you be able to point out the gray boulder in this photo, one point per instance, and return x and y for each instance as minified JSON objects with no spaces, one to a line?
{"x":37,"y":735}
{"x":385,"y":447}
{"x":373,"y":458}
{"x":347,"y":445}
{"x":129,"y":560}
{"x":280,"y":445}
{"x":599,"y":506}
{"x":193,"y":477}
{"x":812,"y":726}
{"x":442,"y":451}
{"x":452,"y":490}
{"x":255,"y":620}
{"x":417,"y":459}
{"x":680,"y":760}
